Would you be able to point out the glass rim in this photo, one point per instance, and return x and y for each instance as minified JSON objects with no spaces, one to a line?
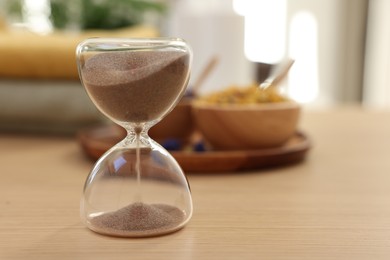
{"x":118,"y":43}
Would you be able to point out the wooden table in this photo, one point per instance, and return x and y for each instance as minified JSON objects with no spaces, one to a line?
{"x":335,"y":205}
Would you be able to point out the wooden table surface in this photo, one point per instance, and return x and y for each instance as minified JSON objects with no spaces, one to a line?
{"x":334,"y":205}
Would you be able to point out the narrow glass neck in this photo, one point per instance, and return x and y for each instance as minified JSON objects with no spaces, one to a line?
{"x":137,"y":136}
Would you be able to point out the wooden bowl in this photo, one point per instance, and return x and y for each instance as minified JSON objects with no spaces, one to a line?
{"x":242,"y":127}
{"x":178,"y":124}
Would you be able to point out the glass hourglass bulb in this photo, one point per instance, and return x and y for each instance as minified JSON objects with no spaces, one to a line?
{"x":136,"y":188}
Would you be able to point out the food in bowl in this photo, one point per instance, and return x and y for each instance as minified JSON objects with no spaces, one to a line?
{"x":246,"y":118}
{"x":243,"y":95}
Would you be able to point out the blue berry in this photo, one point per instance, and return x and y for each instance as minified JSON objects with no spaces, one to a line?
{"x":171,"y":144}
{"x":199,"y":147}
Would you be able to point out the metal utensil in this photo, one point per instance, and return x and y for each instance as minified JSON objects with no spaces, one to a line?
{"x":278,"y":73}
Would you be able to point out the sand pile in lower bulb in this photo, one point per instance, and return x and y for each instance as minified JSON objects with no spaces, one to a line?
{"x":139,"y":219}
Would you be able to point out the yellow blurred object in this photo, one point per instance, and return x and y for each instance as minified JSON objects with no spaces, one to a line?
{"x":28,"y":55}
{"x":2,"y":23}
{"x":243,"y":95}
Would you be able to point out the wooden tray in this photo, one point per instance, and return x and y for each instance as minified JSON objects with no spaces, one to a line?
{"x":96,"y":141}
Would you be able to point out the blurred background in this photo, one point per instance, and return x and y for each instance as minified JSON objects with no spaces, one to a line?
{"x":340,"y":48}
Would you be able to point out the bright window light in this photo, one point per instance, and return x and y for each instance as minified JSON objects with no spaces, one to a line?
{"x":37,"y":13}
{"x":265,"y":29}
{"x":303,"y":85}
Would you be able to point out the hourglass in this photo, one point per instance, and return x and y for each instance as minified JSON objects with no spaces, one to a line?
{"x":136,"y":188}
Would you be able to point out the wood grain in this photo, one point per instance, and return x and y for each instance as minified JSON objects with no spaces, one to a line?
{"x":335,"y":205}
